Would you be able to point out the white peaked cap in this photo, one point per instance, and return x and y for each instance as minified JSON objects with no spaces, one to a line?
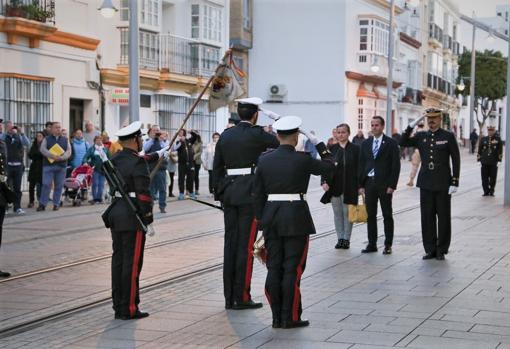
{"x":251,"y":100}
{"x":287,"y":124}
{"x":129,"y":130}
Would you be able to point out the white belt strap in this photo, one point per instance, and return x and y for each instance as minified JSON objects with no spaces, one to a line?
{"x":132,"y":194}
{"x":239,"y":171}
{"x":286,"y":197}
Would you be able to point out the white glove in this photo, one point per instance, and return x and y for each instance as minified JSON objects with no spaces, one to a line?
{"x":310,"y":136}
{"x":102,"y":155}
{"x":452,"y":190}
{"x":163,"y":152}
{"x":270,"y":114}
{"x":416,"y":122}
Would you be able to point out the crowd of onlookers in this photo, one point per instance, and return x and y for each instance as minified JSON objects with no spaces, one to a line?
{"x":54,"y":155}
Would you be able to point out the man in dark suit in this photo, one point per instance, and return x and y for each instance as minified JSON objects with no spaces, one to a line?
{"x":437,"y":181}
{"x":379,"y":168}
{"x":235,"y":160}
{"x":490,"y":152}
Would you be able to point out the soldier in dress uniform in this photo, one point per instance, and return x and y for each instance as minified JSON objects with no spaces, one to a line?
{"x":127,"y":234}
{"x":235,"y":159}
{"x":3,"y":199}
{"x":490,"y":152}
{"x":437,"y":180}
{"x":281,"y":183}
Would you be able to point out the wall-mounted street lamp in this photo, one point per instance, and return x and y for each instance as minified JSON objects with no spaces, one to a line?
{"x":107,"y":9}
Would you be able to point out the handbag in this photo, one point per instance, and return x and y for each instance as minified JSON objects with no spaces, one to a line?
{"x":358,"y":213}
{"x":174,"y":157}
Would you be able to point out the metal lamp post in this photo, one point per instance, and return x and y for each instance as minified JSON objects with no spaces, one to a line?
{"x":507,"y":134}
{"x":108,"y":10}
{"x":389,"y":85}
{"x":472,"y":82}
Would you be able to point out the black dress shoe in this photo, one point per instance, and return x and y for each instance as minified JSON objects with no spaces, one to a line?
{"x":339,"y":244}
{"x":277,"y":323}
{"x":246,"y":305}
{"x":491,"y":194}
{"x":440,"y":256}
{"x":41,"y":208}
{"x":429,"y":256}
{"x":387,"y":250}
{"x":485,"y":194}
{"x":346,"y":245}
{"x":4,"y":274}
{"x":138,"y":315}
{"x":369,"y":249}
{"x":294,"y":324}
{"x":228,"y":305}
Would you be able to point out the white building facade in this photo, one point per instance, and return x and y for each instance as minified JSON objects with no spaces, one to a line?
{"x":76,"y":57}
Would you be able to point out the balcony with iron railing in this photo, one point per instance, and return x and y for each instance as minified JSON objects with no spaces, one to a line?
{"x":37,"y":10}
{"x":172,"y":53}
{"x":456,"y":48}
{"x":440,"y":85}
{"x":447,"y":44}
{"x":435,"y":35}
{"x":411,"y":95}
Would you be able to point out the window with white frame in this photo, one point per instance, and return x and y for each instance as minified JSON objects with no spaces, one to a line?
{"x":26,"y":102}
{"x":124,"y":10}
{"x":206,"y":22}
{"x":360,"y":114}
{"x":149,"y":11}
{"x":148,"y":48}
{"x":374,"y":36}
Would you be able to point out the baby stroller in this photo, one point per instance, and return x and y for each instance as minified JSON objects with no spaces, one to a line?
{"x":77,"y":186}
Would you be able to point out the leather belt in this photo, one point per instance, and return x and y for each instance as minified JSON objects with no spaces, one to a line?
{"x":286,"y":197}
{"x":131,"y":194}
{"x":239,"y":171}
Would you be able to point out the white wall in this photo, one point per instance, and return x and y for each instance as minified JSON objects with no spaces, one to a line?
{"x":301,"y":44}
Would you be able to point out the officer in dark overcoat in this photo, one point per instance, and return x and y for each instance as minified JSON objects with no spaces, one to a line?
{"x":437,"y":181}
{"x":281,"y":183}
{"x":3,"y":198}
{"x":490,"y":152}
{"x":127,"y":234}
{"x":235,"y":159}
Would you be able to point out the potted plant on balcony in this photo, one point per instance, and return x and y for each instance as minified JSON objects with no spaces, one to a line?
{"x":36,"y":12}
{"x":15,"y":8}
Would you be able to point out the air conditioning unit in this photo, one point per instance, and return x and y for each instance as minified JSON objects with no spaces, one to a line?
{"x":277,"y":93}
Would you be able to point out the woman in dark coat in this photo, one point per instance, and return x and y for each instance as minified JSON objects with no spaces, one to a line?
{"x":342,"y":188}
{"x":35,"y":170}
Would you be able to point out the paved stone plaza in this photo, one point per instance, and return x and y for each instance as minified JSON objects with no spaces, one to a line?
{"x":353,"y":301}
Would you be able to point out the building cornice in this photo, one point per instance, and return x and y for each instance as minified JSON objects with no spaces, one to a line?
{"x":409,"y":40}
{"x":15,"y":27}
{"x":25,"y":76}
{"x":373,"y":79}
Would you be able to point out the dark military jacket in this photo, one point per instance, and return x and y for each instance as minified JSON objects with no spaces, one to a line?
{"x":286,"y":171}
{"x":436,"y":149}
{"x":490,"y":150}
{"x":3,"y":172}
{"x":239,"y":147}
{"x":135,"y":172}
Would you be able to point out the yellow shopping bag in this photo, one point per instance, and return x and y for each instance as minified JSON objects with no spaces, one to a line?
{"x":358,"y":213}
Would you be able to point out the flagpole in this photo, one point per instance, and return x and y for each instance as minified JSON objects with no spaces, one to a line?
{"x":188,"y":115}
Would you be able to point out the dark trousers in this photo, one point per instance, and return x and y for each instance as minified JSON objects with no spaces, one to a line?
{"x":473,"y":146}
{"x":185,"y":175}
{"x":436,"y":223}
{"x":197,"y":183}
{"x":489,"y":176}
{"x":374,"y":194}
{"x":211,"y":184}
{"x":127,"y":260}
{"x":2,"y":216}
{"x":171,"y":186}
{"x":240,"y":235}
{"x":14,"y":177}
{"x":286,"y":262}
{"x":34,"y":189}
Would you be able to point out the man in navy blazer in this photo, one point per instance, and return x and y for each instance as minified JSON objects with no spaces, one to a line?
{"x":379,"y":169}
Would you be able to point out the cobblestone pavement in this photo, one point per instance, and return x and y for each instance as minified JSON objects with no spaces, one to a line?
{"x":353,"y":301}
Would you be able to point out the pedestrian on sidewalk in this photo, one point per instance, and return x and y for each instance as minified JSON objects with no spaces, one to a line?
{"x":15,"y":142}
{"x":473,"y":138}
{"x":54,"y":166}
{"x":490,"y":152}
{"x":281,"y":183}
{"x":173,"y":160}
{"x":379,"y":169}
{"x":35,"y":170}
{"x":93,"y":157}
{"x":186,"y":166}
{"x":3,"y":199}
{"x":208,"y":159}
{"x":342,"y":188}
{"x":158,"y":182}
{"x":437,"y":181}
{"x":79,"y":147}
{"x":197,"y":145}
{"x":235,"y":160}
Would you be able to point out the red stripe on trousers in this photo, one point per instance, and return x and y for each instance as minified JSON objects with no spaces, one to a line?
{"x":134,"y":273}
{"x":297,"y":292}
{"x":268,"y":296}
{"x":249,"y":262}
